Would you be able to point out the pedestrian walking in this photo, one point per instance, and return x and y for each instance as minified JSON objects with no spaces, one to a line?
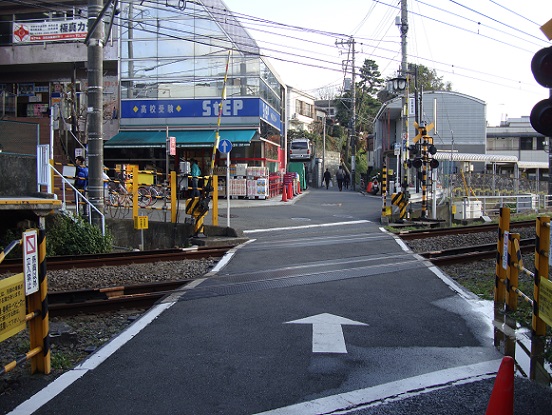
{"x":339,"y":176}
{"x":196,"y":172}
{"x":347,"y":180}
{"x":327,"y":177}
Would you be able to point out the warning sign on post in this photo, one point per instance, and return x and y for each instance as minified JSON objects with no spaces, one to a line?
{"x":12,"y":300}
{"x":30,"y":261}
{"x":545,"y":300}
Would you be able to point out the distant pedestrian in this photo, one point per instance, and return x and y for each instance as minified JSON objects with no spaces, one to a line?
{"x":81,"y":174}
{"x":327,"y":177}
{"x":347,"y":180}
{"x":81,"y":180}
{"x":196,"y":172}
{"x":340,"y":175}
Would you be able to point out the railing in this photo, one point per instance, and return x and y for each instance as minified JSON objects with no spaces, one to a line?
{"x":531,"y":345}
{"x":80,"y":199}
{"x":477,"y":206}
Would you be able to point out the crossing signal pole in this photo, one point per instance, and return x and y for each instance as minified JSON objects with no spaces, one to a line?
{"x":423,"y":160}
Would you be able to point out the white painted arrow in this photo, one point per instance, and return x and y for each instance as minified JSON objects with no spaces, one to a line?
{"x":327,"y":333}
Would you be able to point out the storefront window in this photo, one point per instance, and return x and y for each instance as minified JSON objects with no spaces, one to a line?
{"x":169,"y":53}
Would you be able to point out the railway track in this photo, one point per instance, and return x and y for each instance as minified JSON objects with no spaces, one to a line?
{"x":428,"y":233}
{"x":471,"y":253}
{"x":91,"y":301}
{"x":117,"y":259}
{"x":98,"y":300}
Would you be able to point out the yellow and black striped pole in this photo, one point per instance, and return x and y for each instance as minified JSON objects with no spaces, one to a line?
{"x":542,"y":247}
{"x":217,"y":131}
{"x":38,"y":301}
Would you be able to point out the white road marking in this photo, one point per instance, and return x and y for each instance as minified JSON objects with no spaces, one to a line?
{"x":322,"y":225}
{"x":327,"y":333}
{"x":393,"y":391}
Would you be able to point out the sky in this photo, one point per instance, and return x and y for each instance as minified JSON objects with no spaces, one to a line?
{"x":482,"y":47}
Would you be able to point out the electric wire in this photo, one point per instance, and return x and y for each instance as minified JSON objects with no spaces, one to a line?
{"x":294,"y":57}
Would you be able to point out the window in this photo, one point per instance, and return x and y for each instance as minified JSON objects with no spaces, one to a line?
{"x":526,"y":143}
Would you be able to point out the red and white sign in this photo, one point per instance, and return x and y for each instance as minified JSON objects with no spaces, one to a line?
{"x":172,"y":146}
{"x":49,"y":31}
{"x":30,"y":261}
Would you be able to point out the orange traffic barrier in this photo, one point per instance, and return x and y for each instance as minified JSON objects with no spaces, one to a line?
{"x":284,"y":194}
{"x":502,"y":396}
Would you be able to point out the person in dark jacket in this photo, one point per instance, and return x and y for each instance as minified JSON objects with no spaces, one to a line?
{"x":327,"y":177}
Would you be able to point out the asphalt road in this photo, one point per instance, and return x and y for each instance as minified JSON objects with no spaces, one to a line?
{"x":320,"y":312}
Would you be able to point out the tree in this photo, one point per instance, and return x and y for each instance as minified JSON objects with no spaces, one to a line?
{"x":428,"y":80}
{"x":370,"y":78}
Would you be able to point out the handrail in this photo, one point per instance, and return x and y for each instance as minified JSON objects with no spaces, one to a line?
{"x":79,"y":195}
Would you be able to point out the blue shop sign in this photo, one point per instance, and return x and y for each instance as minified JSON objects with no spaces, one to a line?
{"x":199,"y":109}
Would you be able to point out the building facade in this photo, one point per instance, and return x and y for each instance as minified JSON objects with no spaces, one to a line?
{"x":167,"y":66}
{"x":459,"y":125}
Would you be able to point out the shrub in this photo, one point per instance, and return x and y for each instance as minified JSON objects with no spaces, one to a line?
{"x":67,"y":235}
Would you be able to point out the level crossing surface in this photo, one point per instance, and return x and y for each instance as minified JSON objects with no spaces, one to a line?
{"x":320,"y":311}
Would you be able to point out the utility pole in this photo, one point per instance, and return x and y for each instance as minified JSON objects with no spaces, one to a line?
{"x":94,"y":110}
{"x":404,"y":73}
{"x":352,"y":124}
{"x":353,"y":117}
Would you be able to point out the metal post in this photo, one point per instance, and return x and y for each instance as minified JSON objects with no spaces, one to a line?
{"x":353,"y":126}
{"x":500,"y":270}
{"x":228,"y":189}
{"x":404,"y":69}
{"x":542,"y":248}
{"x":95,"y":108}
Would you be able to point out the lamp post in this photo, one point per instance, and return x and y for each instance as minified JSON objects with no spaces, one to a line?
{"x":398,"y":86}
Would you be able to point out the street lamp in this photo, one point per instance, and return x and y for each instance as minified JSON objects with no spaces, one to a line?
{"x":396,"y":84}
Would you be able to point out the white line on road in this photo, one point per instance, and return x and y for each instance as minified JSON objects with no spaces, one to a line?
{"x":394,"y":391}
{"x":322,"y":225}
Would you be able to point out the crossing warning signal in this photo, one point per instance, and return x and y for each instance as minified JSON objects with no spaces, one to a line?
{"x":541,"y":115}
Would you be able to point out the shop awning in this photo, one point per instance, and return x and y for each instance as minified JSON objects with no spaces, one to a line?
{"x":200,"y":138}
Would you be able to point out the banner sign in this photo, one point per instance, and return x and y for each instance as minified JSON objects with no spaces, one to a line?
{"x":49,"y":31}
{"x":204,"y":111}
{"x":12,"y":298}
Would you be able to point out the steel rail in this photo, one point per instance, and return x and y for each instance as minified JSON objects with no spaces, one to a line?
{"x":116,"y":259}
{"x":428,"y":233}
{"x":471,"y":253}
{"x":63,"y":303}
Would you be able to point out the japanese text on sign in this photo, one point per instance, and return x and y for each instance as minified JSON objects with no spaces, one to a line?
{"x":545,"y":300}
{"x":30,"y":261}
{"x":12,"y":306}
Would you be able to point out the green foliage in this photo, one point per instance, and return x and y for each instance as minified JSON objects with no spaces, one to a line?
{"x":74,"y":236}
{"x":6,"y":238}
{"x":429,"y":80}
{"x":60,"y":361}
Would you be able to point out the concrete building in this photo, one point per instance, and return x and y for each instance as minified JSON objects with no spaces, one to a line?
{"x":516,"y":137}
{"x":459,"y":125}
{"x":165,"y":70}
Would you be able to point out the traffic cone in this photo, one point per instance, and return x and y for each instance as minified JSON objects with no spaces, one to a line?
{"x":502,"y":396}
{"x":290,"y":190}
{"x":284,"y":195}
